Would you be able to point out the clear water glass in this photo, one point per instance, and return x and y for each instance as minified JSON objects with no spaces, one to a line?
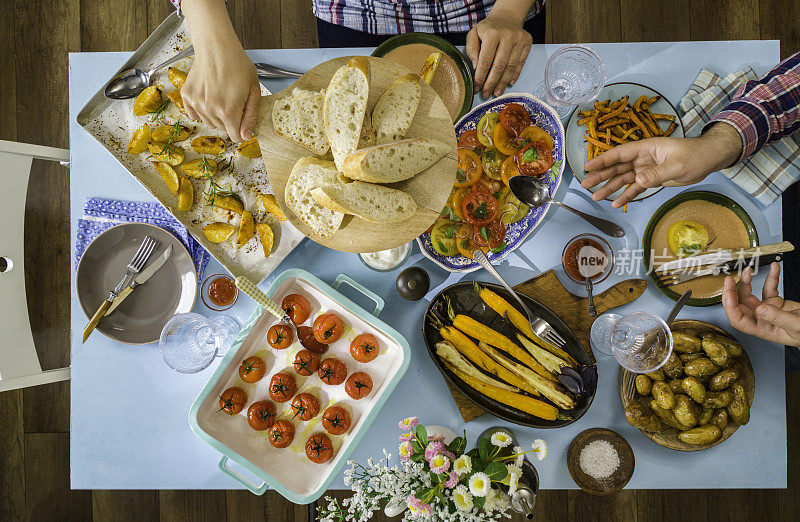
{"x":641,"y":342}
{"x":574,"y":75}
{"x":189,"y":342}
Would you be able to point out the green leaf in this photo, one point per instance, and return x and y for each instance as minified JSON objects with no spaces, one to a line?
{"x":460,"y":176}
{"x":478,"y":464}
{"x":484,"y":448}
{"x":441,"y":246}
{"x":450,"y":232}
{"x":531,"y":154}
{"x":499,"y":248}
{"x":490,"y":155}
{"x":417,"y":448}
{"x":478,"y":502}
{"x":481,"y":212}
{"x":449,"y":214}
{"x":486,"y":233}
{"x":496,"y":470}
{"x":457,"y":446}
{"x":422,"y":436}
{"x":478,"y":151}
{"x":418,"y":457}
{"x":473,"y":453}
{"x":555,"y":170}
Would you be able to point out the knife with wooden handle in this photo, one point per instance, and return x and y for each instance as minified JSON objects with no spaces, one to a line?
{"x":141,"y":279}
{"x":95,"y":319}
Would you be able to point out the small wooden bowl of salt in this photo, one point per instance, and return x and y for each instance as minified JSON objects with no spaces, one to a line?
{"x":600,"y":461}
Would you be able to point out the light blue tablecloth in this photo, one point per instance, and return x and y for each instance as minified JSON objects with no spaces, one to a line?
{"x":129,"y":426}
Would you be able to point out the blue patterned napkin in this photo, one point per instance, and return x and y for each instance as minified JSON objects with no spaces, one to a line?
{"x":101,"y":214}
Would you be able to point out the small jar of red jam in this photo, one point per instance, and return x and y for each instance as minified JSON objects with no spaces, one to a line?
{"x":587,"y":256}
{"x":219,"y":292}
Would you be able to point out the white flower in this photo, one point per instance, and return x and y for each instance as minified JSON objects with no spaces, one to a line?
{"x":518,"y":451}
{"x":513,"y":483}
{"x":480,"y":484}
{"x":462,"y":498}
{"x":540,"y":448}
{"x":463,"y":465}
{"x":493,"y":501}
{"x":501,"y":439}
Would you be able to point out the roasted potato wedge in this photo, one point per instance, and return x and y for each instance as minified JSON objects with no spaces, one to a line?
{"x":174,"y":133}
{"x":232,"y":203}
{"x":266,"y":236}
{"x":247,"y":228}
{"x":148,"y":101}
{"x":175,"y":97}
{"x":140,"y":140}
{"x":185,"y":194}
{"x":249,"y":148}
{"x":169,"y":154}
{"x":208,"y":145}
{"x":177,"y":77}
{"x":168,"y":174}
{"x":200,"y":168}
{"x":218,"y":232}
{"x":271,"y":205}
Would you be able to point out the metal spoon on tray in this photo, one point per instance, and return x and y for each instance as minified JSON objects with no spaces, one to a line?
{"x":535,"y":193}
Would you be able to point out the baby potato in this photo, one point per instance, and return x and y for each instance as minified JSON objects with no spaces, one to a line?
{"x":176,"y":77}
{"x":175,"y":132}
{"x":666,"y":416}
{"x":169,"y":154}
{"x":734,"y":348}
{"x":208,"y":145}
{"x":185,"y":194}
{"x":266,"y":236}
{"x":673,"y":368}
{"x":694,"y":389}
{"x":249,"y":148}
{"x":168,"y":174}
{"x":663,"y":395}
{"x":686,"y":357}
{"x":246,"y":229}
{"x":148,"y":101}
{"x":685,"y":343}
{"x":739,"y":407}
{"x":675,"y":386}
{"x":700,"y":368}
{"x":720,"y":418}
{"x":232,"y":203}
{"x":175,"y":97}
{"x":271,"y":205}
{"x":200,"y":168}
{"x":643,"y":384}
{"x":641,"y":417}
{"x":140,"y":140}
{"x":720,"y":399}
{"x":657,"y":375}
{"x":716,"y":351}
{"x":218,"y":232}
{"x":723,"y":379}
{"x":686,"y":412}
{"x":705,"y":434}
{"x":705,"y":416}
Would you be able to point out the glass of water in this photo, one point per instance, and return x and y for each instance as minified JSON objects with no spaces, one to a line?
{"x":574,"y":75}
{"x":190,"y":341}
{"x":641,"y":342}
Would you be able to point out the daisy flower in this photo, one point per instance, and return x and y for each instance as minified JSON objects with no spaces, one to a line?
{"x":452,"y":481}
{"x":418,"y":508}
{"x":513,"y":482}
{"x":501,"y":439}
{"x":439,"y":464}
{"x":462,"y":498}
{"x":433,"y":449}
{"x":463,"y":465}
{"x":520,"y":455}
{"x":492,"y":501}
{"x":406,"y":450}
{"x":540,"y":448}
{"x":480,"y":484}
{"x":436,"y":437}
{"x":406,"y":436}
{"x":408,"y":424}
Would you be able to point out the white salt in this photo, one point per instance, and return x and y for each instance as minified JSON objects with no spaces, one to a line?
{"x":599,"y":459}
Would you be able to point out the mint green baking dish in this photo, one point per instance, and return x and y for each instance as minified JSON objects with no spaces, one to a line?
{"x":286,"y":471}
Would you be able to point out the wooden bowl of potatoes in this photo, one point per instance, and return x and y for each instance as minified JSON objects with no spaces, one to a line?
{"x":699,"y":397}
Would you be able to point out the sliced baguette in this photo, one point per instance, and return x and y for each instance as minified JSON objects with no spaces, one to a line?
{"x":344,"y":107}
{"x":374,"y":203}
{"x":394,"y":112}
{"x":307,"y":174}
{"x":392,"y":162}
{"x":298,"y":118}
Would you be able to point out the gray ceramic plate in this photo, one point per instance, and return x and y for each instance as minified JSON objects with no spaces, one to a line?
{"x":140,"y":318}
{"x":576,"y":147}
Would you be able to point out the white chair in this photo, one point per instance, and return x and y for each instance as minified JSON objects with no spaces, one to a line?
{"x":19,"y":363}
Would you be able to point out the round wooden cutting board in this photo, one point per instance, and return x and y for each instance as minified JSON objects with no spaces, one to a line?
{"x":430,"y":188}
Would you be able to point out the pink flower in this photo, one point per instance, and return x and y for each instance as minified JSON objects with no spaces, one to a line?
{"x":418,"y":508}
{"x":453,"y":481}
{"x":433,"y":449}
{"x":439,"y":464}
{"x":406,"y":450}
{"x":408,"y":424}
{"x":406,"y":436}
{"x":436,"y":438}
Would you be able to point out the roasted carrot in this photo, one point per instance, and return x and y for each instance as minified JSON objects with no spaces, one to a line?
{"x":452,"y":358}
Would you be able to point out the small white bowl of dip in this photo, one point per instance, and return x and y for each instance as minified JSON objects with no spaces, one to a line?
{"x":386,"y":260}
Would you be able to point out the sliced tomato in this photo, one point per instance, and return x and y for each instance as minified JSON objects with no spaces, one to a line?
{"x":514,"y":118}
{"x":469,"y":168}
{"x":491,"y":161}
{"x":479,"y":208}
{"x":509,"y":169}
{"x":465,"y":240}
{"x":506,"y":142}
{"x":534,"y":158}
{"x":469,"y":140}
{"x":534,"y":133}
{"x":490,"y":236}
{"x":485,"y":128}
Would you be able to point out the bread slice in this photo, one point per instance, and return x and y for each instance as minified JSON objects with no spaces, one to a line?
{"x":307,"y":174}
{"x":394,"y":112}
{"x":392,"y":162}
{"x":344,"y":106}
{"x":298,"y":118}
{"x":374,"y":203}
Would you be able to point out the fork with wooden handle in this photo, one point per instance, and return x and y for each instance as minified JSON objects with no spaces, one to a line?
{"x":246,"y":286}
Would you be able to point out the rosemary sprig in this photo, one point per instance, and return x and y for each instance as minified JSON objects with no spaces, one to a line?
{"x":158,"y":113}
{"x":213,"y":189}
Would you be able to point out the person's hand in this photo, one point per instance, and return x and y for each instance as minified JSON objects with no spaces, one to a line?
{"x":771,"y":318}
{"x":661,"y":161}
{"x":222,"y":86}
{"x":498,"y":47}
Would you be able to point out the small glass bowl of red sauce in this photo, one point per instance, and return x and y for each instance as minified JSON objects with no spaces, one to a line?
{"x":587,"y":256}
{"x":219,"y":292}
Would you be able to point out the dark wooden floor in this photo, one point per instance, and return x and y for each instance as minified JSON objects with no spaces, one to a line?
{"x":35,"y":40}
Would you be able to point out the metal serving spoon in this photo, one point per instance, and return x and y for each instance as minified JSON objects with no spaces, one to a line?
{"x":534,"y":193}
{"x":130,"y":82}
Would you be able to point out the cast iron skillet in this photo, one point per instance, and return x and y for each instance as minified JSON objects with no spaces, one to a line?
{"x":465,"y":300}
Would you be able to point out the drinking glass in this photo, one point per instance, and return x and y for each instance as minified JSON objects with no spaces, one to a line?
{"x":190,"y":341}
{"x":641,"y":342}
{"x":574,"y":75}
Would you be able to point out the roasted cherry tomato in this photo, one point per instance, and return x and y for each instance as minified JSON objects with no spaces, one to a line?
{"x":364,"y":348}
{"x":332,"y":371}
{"x":232,"y":400}
{"x":336,"y":420}
{"x":479,"y":208}
{"x":506,"y":142}
{"x":534,"y":133}
{"x":469,"y":168}
{"x":282,"y":387}
{"x":252,"y":369}
{"x":492,"y":160}
{"x":305,"y":334}
{"x":261,"y":415}
{"x":491,"y":236}
{"x":534,"y":159}
{"x":305,"y":406}
{"x":328,"y":328}
{"x":514,"y":118}
{"x":358,"y":385}
{"x":469,"y":140}
{"x":485,"y":128}
{"x":281,"y":434}
{"x":319,"y":448}
{"x":297,"y":307}
{"x":306,"y":363}
{"x":280,"y":336}
{"x":509,"y":169}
